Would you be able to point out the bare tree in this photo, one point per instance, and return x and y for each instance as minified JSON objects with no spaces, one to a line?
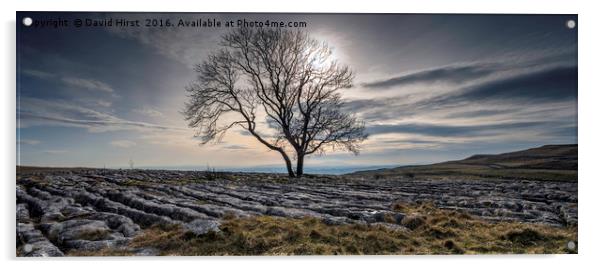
{"x":285,"y":78}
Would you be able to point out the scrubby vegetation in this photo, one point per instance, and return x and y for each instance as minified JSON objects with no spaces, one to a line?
{"x":424,"y":230}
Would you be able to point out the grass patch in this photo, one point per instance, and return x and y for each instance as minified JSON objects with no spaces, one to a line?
{"x":434,"y":231}
{"x":472,"y":171}
{"x":94,"y":235}
{"x":136,"y":183}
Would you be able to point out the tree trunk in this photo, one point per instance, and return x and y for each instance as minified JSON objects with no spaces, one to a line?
{"x":300,"y":158}
{"x":287,"y":160}
{"x":289,"y":166}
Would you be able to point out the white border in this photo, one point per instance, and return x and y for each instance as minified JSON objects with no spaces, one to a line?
{"x":589,"y":132}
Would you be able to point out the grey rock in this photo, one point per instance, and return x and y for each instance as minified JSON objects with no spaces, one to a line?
{"x":202,"y":226}
{"x":22,"y":213}
{"x":34,"y":244}
{"x":334,"y":220}
{"x":89,"y":245}
{"x":78,"y":229}
{"x":146,"y":252}
{"x":289,"y":212}
{"x":399,"y":218}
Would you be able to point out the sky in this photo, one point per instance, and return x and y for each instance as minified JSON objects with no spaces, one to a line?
{"x":429,"y":88}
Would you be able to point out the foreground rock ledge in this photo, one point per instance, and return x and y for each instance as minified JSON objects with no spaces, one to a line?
{"x":90,"y":209}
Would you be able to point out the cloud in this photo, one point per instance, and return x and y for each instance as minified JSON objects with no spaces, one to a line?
{"x":123,"y":143}
{"x":149,"y":112}
{"x":90,"y":84}
{"x":550,"y":84}
{"x":37,"y":74}
{"x":171,"y":138}
{"x":511,"y":105}
{"x":104,"y":103}
{"x":455,"y":130}
{"x":522,"y":100}
{"x":96,"y":125}
{"x":185,"y":45}
{"x":535,"y":88}
{"x":235,"y":147}
{"x":33,"y":111}
{"x":569,"y":131}
{"x":455,"y":74}
{"x":53,"y":152}
{"x":480,"y":113}
{"x":28,"y":142}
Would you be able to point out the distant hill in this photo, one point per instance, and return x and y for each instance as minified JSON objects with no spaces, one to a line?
{"x":550,"y":162}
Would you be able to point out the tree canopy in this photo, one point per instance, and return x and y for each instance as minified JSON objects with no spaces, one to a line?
{"x":284,"y":78}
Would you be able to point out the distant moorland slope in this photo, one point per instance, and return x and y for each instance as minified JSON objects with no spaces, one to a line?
{"x":549,"y":162}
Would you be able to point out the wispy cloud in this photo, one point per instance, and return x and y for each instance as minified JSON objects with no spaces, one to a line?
{"x":185,"y":45}
{"x":148,"y":111}
{"x":77,"y":82}
{"x":459,"y":130}
{"x":104,"y":103}
{"x":235,"y":147}
{"x":447,"y":74}
{"x":123,"y":143}
{"x":29,"y":142}
{"x":38,"y":74}
{"x":90,"y":84}
{"x":476,"y":102}
{"x":56,"y":151}
{"x":550,"y":84}
{"x":62,"y":113}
